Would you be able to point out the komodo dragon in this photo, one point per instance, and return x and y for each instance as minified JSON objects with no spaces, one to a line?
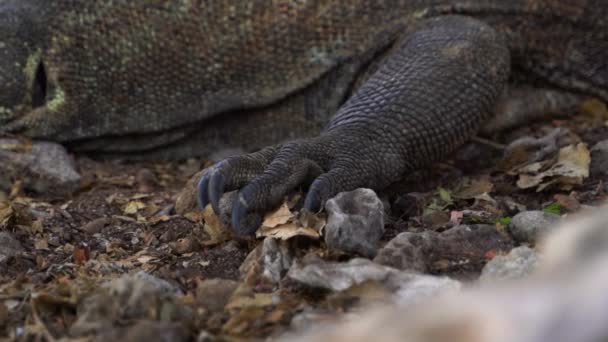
{"x":397,"y":84}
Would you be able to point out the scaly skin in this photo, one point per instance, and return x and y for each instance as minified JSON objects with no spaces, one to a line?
{"x":403,"y":81}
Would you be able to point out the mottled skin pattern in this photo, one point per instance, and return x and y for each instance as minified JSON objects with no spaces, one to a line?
{"x":401,"y":82}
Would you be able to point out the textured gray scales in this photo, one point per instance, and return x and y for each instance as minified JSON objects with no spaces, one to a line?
{"x":397,"y":84}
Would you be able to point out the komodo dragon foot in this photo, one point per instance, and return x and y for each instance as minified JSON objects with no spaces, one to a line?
{"x":432,"y":93}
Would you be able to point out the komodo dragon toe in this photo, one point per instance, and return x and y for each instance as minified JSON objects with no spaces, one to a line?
{"x":329,"y":164}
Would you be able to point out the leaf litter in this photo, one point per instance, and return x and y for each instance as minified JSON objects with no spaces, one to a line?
{"x":73,"y":271}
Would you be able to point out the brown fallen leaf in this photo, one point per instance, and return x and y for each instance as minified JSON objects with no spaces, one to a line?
{"x":6,"y":214}
{"x":41,"y":244}
{"x":133,"y":207}
{"x":473,"y":188}
{"x":571,"y":168}
{"x":144,"y":259}
{"x":245,"y":297}
{"x":595,"y":108}
{"x":280,"y":216}
{"x":95,"y":226}
{"x":284,"y":224}
{"x":81,"y":255}
{"x":287,"y":231}
{"x":213,"y":226}
{"x":21,"y":146}
{"x":157,"y":219}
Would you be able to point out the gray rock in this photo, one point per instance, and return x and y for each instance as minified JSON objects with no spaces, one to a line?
{"x":267,"y":263}
{"x":276,"y":260}
{"x":45,"y":168}
{"x":519,"y":263}
{"x":565,"y":300}
{"x":146,"y":331}
{"x":404,"y":252}
{"x":145,"y":279}
{"x":599,"y":159}
{"x":355,"y":222}
{"x":311,"y":318}
{"x":463,"y":246}
{"x":406,"y":286}
{"x":9,"y":246}
{"x":214,"y":294}
{"x":530,"y":226}
{"x":129,"y":298}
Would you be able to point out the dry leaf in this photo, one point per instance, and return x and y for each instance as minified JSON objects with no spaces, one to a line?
{"x":217,"y":232}
{"x":6,"y":214}
{"x":157,"y":219}
{"x":595,"y":108}
{"x":287,"y":231}
{"x":284,"y":224}
{"x":247,"y":301}
{"x":471,"y":189}
{"x":280,"y":216}
{"x":571,"y":168}
{"x":133,"y":206}
{"x":81,"y":255}
{"x":41,"y":244}
{"x":144,"y":259}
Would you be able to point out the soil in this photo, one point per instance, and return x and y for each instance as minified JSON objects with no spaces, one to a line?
{"x":123,"y":220}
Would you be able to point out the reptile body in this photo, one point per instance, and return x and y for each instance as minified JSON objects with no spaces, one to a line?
{"x":362,"y":91}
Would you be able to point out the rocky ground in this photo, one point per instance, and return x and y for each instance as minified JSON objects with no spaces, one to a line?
{"x":100,"y":249}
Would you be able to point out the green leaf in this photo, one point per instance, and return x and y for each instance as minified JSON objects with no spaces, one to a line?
{"x":445,"y":195}
{"x":553,"y":208}
{"x":505,"y":221}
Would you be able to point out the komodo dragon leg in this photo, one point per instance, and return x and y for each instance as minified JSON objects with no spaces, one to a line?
{"x":433,"y":92}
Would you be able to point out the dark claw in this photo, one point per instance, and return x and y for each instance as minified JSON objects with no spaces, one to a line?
{"x":216,"y":190}
{"x":312,"y":202}
{"x":201,"y":192}
{"x":239,"y":210}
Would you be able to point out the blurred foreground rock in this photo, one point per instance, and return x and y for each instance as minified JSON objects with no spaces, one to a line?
{"x":518,"y":264}
{"x":564,"y":300}
{"x":430,"y":251}
{"x":531,"y":226}
{"x":407,"y":287}
{"x":140,"y":296}
{"x":43,"y":167}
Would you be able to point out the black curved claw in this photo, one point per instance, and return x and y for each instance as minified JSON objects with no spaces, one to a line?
{"x":201,"y":192}
{"x":312,"y":202}
{"x":216,"y":190}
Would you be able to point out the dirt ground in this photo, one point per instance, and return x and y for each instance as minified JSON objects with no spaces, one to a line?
{"x":123,"y":220}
